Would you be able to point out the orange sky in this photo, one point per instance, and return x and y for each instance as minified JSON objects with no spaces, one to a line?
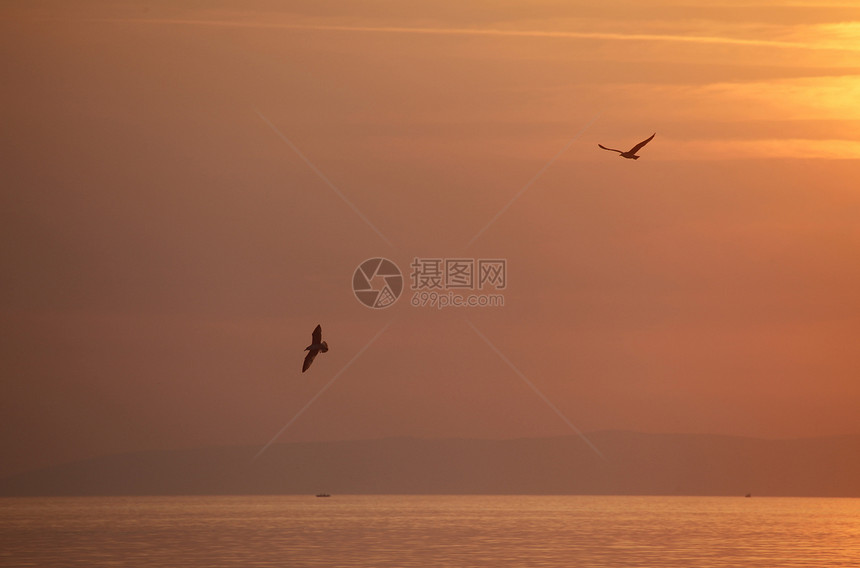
{"x":165,"y":254}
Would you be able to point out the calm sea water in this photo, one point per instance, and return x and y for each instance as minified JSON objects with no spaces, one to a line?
{"x":403,"y":531}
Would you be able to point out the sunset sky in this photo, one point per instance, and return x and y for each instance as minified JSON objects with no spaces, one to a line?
{"x":187,"y":191}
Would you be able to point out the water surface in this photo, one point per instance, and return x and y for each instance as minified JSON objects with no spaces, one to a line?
{"x":403,"y":531}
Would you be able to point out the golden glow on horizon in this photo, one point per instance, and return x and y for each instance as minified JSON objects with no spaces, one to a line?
{"x":810,"y":98}
{"x":799,"y":148}
{"x":842,"y":35}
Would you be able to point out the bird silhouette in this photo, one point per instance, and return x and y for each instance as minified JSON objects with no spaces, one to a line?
{"x":631,"y":153}
{"x":317,"y":345}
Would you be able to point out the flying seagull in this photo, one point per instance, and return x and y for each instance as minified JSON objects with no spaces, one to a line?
{"x":631,"y":153}
{"x":317,"y":345}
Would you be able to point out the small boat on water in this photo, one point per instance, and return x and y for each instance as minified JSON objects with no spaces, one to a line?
{"x":323,"y":495}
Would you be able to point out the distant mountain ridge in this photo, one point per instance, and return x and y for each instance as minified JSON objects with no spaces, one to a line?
{"x":633,"y":464}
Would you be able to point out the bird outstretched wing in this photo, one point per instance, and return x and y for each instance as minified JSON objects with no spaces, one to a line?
{"x":317,"y":335}
{"x":309,"y":358}
{"x":610,"y":149}
{"x":638,"y":147}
